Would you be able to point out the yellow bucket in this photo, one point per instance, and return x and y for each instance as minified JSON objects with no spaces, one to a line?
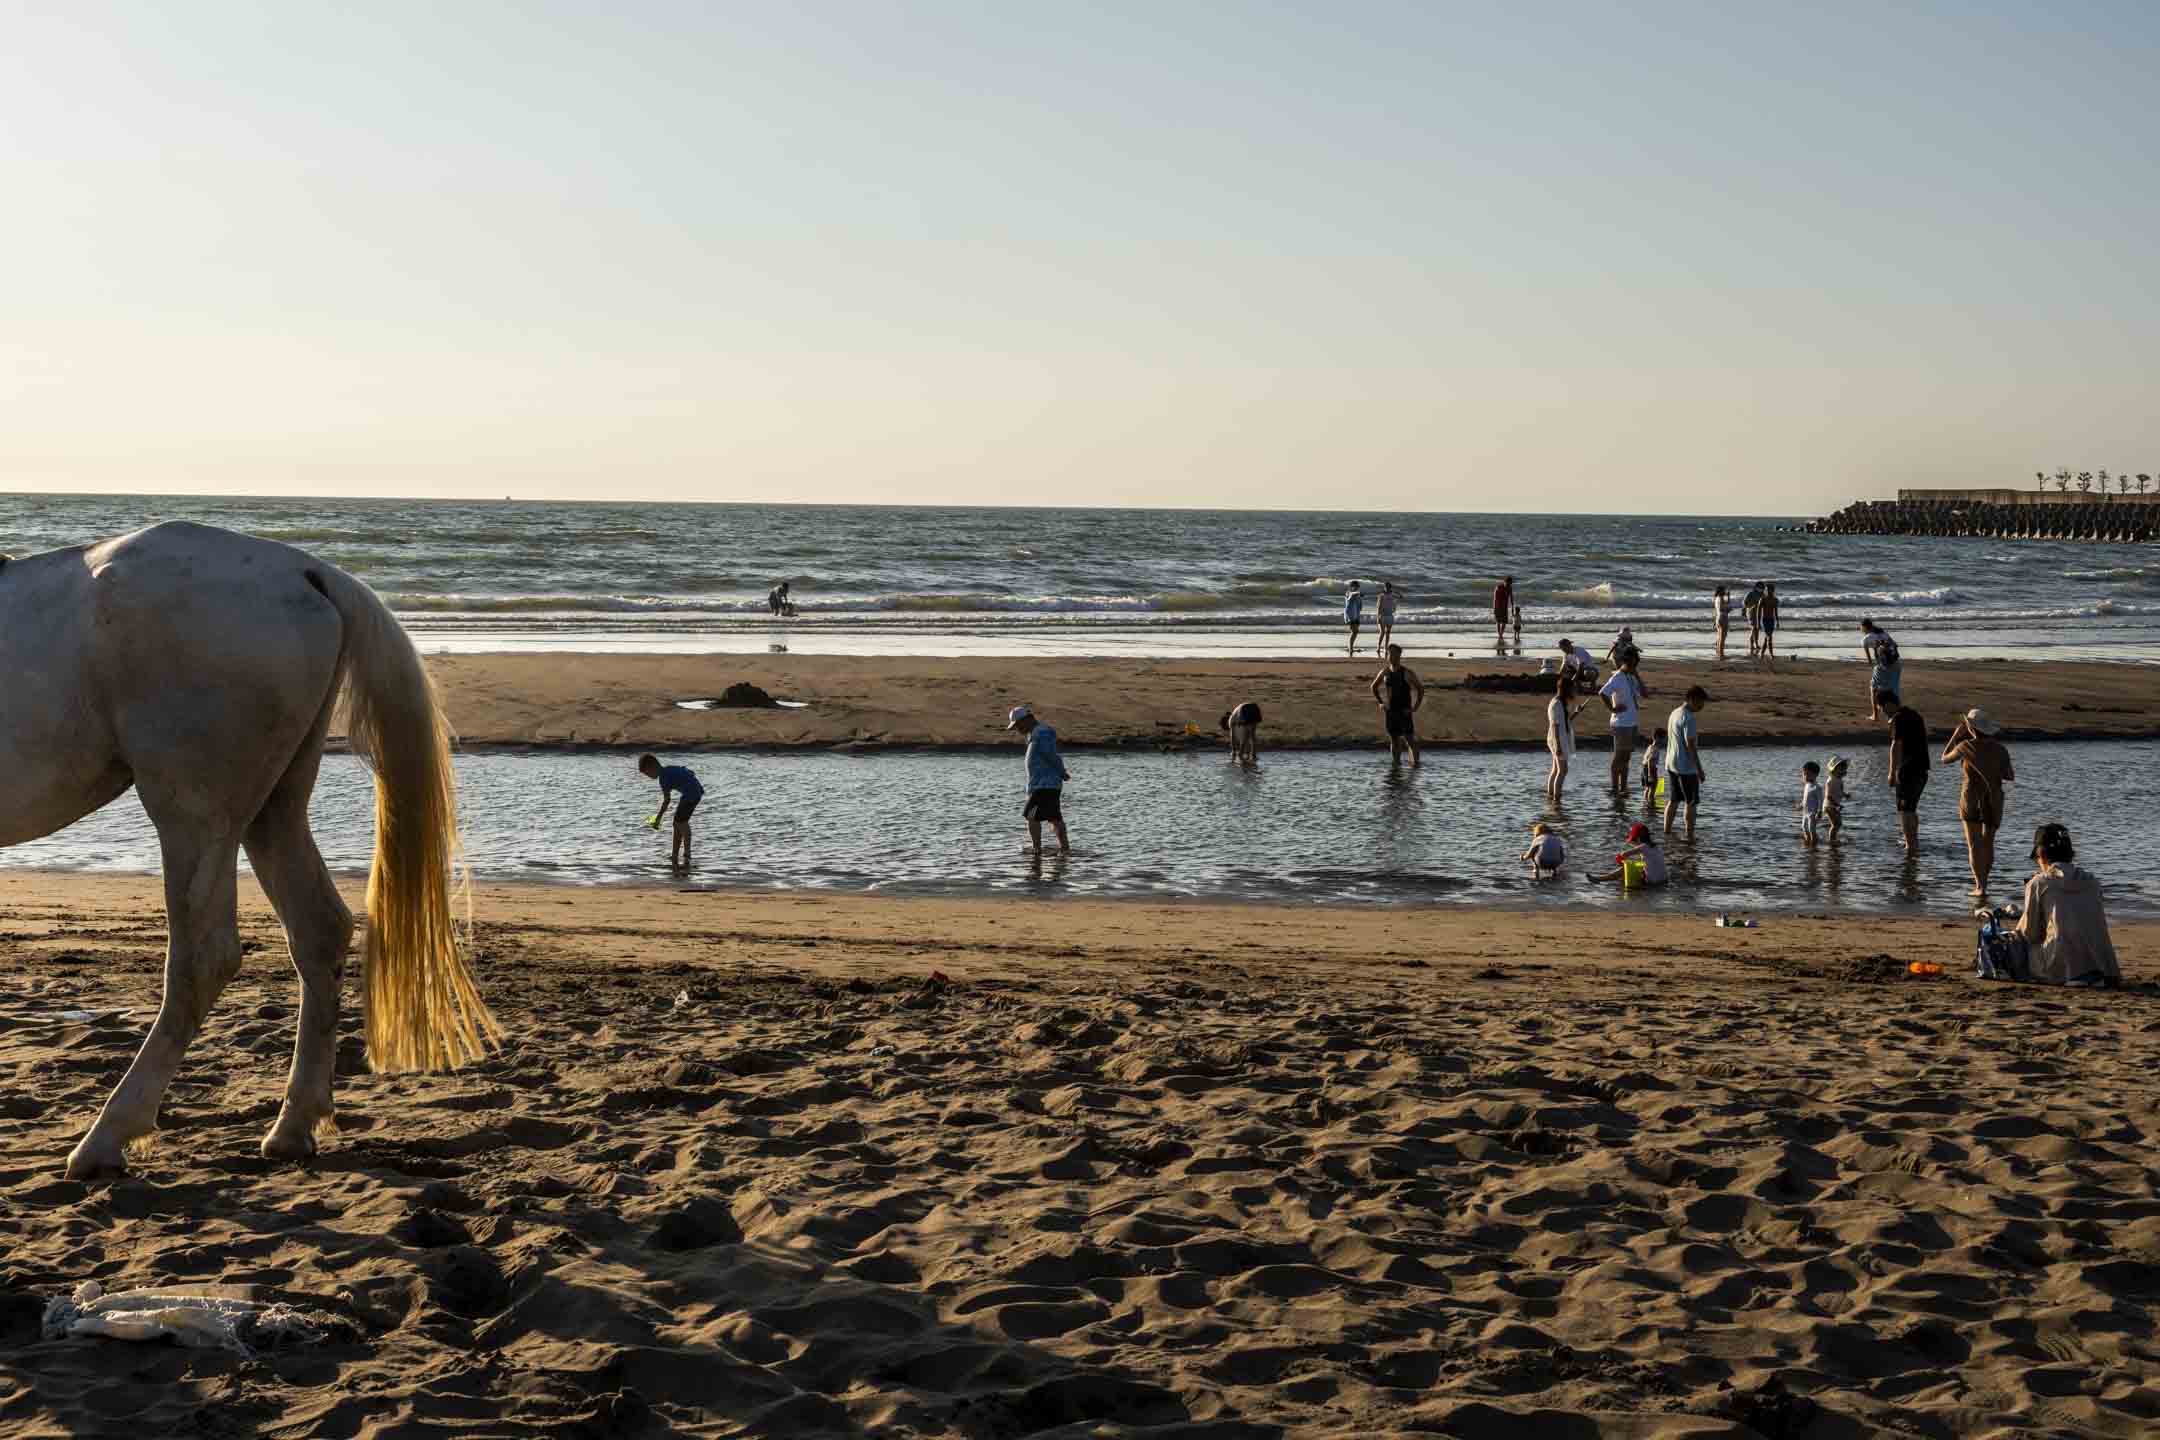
{"x":1634,"y":875}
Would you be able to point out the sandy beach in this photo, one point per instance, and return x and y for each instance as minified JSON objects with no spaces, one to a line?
{"x":796,"y":1165}
{"x":630,"y":700}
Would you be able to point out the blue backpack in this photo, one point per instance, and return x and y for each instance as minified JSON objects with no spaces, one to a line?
{"x":2002,"y":953}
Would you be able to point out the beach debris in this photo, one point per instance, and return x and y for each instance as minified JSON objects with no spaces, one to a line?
{"x":682,"y":999}
{"x":1925,"y":969}
{"x":1734,"y":922}
{"x":192,"y":1317}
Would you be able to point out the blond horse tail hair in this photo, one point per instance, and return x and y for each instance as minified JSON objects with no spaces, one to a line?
{"x":423,"y":1010}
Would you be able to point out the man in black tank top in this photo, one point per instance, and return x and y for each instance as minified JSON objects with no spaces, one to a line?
{"x":1404,"y":693}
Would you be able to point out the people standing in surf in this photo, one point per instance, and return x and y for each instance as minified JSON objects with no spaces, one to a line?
{"x":1684,"y":768}
{"x":1886,"y":668}
{"x":1503,"y":606}
{"x":776,"y":599}
{"x":1243,"y":723}
{"x":1399,"y":693}
{"x":1384,"y":611}
{"x":1721,"y":609}
{"x":1560,"y":713}
{"x":1986,"y":769}
{"x":678,"y":787}
{"x":1769,"y":613}
{"x":1908,"y":765}
{"x":1623,"y":695}
{"x":1353,"y":612}
{"x":1046,"y":777}
{"x":1751,"y":608}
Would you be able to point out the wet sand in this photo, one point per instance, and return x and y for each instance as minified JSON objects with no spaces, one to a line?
{"x":629,"y":700}
{"x":803,"y":1165}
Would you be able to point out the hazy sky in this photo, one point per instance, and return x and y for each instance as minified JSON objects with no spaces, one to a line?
{"x":1712,"y":257}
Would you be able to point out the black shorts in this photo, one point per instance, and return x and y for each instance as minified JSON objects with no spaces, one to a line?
{"x":1687,"y":789}
{"x":685,"y":806}
{"x":1908,"y":792}
{"x":1043,"y":805}
{"x":1401,"y":725}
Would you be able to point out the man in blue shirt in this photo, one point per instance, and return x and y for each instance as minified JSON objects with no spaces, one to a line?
{"x":679,"y":787}
{"x":1046,"y":776}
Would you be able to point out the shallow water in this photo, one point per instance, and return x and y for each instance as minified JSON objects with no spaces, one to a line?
{"x":1307,"y":828}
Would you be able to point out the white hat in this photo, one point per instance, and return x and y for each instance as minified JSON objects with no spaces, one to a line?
{"x":1018,"y":713}
{"x":1981,"y":721}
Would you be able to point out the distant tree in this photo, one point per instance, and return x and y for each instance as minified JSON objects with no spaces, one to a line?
{"x":2062,"y":482}
{"x":2103,"y":480}
{"x":2122,"y":484}
{"x":2041,"y":476}
{"x":2143,"y":481}
{"x":2085,"y":482}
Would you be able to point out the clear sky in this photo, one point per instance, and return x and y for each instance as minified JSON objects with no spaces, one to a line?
{"x":1722,"y":257}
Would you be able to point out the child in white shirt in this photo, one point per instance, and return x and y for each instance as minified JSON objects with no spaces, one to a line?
{"x":1547,"y":852}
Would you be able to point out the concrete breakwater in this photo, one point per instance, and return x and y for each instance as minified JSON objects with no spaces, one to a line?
{"x":2118,"y":519}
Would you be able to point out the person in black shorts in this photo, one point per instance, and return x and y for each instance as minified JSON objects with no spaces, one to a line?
{"x":1399,"y":692}
{"x":1908,"y":763}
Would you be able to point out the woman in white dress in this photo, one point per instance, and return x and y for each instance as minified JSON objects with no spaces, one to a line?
{"x":1560,"y":713}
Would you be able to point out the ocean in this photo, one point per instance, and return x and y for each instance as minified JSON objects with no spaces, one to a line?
{"x":515,"y":575}
{"x":1309,"y":828}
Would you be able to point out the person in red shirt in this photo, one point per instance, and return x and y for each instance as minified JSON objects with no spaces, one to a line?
{"x":1503,"y":602}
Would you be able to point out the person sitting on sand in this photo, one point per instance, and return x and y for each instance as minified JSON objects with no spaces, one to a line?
{"x":1547,"y":852}
{"x":678,"y":787}
{"x":1576,"y":661}
{"x":1405,"y":694}
{"x":1987,"y":768}
{"x":1642,"y":845}
{"x":1046,"y":777}
{"x":2065,"y":920}
{"x":1243,"y":723}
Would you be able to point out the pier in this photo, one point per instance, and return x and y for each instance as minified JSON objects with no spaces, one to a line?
{"x":2001,"y":515}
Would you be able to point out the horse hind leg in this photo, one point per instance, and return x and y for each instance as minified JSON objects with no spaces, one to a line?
{"x":201,"y":957}
{"x":318,"y":931}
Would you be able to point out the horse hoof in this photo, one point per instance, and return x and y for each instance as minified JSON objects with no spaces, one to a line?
{"x":278,"y":1145}
{"x":85,"y":1163}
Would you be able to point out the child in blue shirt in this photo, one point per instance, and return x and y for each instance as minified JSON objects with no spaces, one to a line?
{"x":679,"y":787}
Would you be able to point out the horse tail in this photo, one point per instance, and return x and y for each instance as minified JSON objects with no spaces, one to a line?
{"x":424,"y":1011}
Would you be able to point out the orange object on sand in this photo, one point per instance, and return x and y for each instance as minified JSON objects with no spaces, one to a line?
{"x":1925,"y":968}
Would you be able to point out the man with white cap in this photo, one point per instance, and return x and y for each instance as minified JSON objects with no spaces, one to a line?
{"x":1046,"y":777}
{"x":1986,"y":763}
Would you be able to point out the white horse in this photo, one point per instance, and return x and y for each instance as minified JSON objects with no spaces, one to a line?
{"x":202,"y":667}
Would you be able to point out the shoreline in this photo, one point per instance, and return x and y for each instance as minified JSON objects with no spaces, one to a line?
{"x":601,"y":701}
